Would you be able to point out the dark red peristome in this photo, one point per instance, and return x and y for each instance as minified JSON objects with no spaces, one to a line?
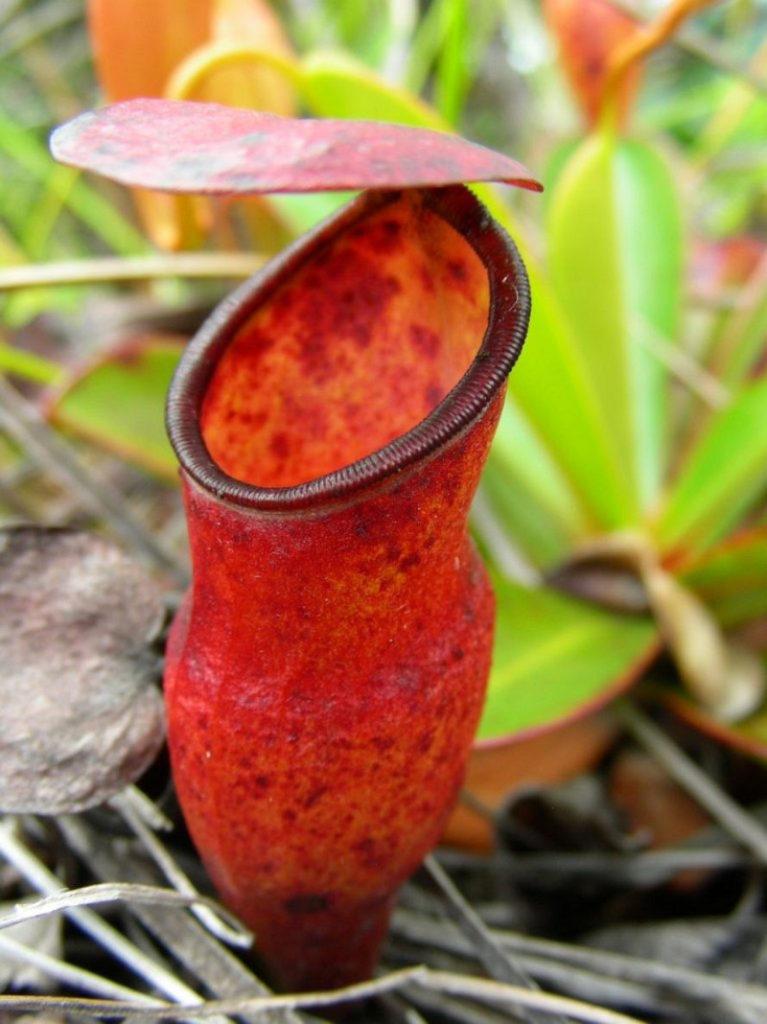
{"x":327,"y":669}
{"x":180,"y":146}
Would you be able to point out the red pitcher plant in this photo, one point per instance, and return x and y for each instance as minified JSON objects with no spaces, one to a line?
{"x":327,"y":668}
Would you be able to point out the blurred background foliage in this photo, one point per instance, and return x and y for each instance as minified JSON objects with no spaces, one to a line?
{"x":623,"y":508}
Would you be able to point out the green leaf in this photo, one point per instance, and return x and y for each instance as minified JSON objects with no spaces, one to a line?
{"x":722,"y":476}
{"x":551,"y":388}
{"x":336,"y":85}
{"x":650,"y":239}
{"x":732,"y":578}
{"x":300,"y":213}
{"x":615,"y":263}
{"x":555,"y":657}
{"x":119,"y":403}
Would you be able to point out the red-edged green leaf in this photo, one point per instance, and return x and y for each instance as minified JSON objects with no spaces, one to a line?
{"x":217,"y":149}
{"x":732,"y":578}
{"x":748,"y":736}
{"x":721,"y":478}
{"x":555,"y":658}
{"x":119,"y":403}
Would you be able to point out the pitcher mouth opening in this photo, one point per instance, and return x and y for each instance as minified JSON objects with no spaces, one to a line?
{"x":202,"y":448}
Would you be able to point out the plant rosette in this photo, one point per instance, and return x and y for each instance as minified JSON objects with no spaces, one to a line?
{"x":326,"y":672}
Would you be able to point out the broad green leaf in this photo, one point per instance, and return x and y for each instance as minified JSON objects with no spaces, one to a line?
{"x":555,"y":657}
{"x":337,"y":85}
{"x":615,"y":263}
{"x":551,"y":387}
{"x":650,"y":240}
{"x":722,"y":476}
{"x":120,"y":403}
{"x":732,"y":578}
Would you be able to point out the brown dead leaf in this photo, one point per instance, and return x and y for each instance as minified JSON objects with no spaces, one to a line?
{"x":82,"y":716}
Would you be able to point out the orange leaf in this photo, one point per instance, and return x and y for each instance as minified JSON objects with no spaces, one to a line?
{"x":588,"y":34}
{"x":137,"y":45}
{"x":138,"y":49}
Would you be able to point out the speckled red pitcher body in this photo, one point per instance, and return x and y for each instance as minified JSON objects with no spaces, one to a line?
{"x":326,"y":671}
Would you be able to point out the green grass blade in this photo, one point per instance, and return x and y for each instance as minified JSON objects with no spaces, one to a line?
{"x":532,"y":496}
{"x":84,"y":202}
{"x":732,"y":578}
{"x":722,"y":476}
{"x":28,"y":365}
{"x":453,"y":70}
{"x":530,"y":527}
{"x":742,"y":340}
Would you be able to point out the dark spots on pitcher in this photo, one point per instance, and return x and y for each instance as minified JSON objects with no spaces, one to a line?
{"x":425,"y":341}
{"x":349,"y":299}
{"x":383,"y":236}
{"x":425,"y":741}
{"x":367,"y":853}
{"x":457,"y":270}
{"x":409,"y":562}
{"x":279,"y":445}
{"x":388,"y":237}
{"x":362,"y":304}
{"x":316,"y":794}
{"x":427,"y":281}
{"x":433,"y":395}
{"x":307,"y":903}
